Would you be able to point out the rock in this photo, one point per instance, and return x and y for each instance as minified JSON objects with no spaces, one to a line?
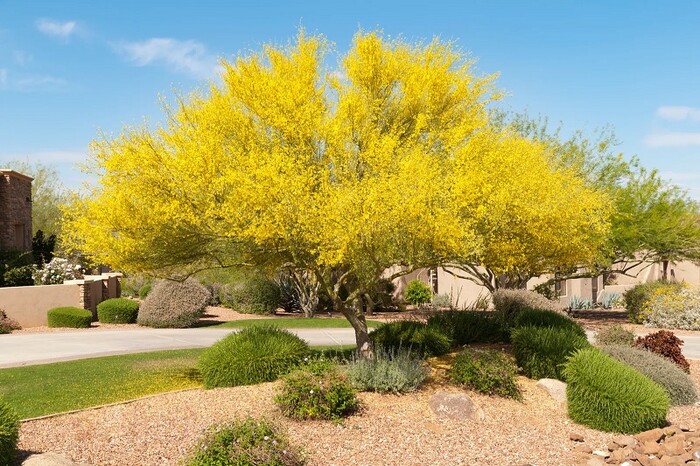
{"x":625,"y":441}
{"x":601,"y":453}
{"x":644,"y":460}
{"x":576,"y":437}
{"x":455,"y":406}
{"x":49,"y":459}
{"x":653,"y":435}
{"x":672,"y":448}
{"x":650,"y":448}
{"x":583,"y":449}
{"x":555,"y":388}
{"x":594,"y":461}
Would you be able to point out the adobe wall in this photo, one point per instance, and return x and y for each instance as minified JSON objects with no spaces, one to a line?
{"x":15,"y":211}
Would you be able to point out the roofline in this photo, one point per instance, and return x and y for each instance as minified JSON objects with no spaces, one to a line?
{"x":7,"y":171}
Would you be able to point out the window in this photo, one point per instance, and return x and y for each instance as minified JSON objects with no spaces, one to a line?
{"x":19,"y":237}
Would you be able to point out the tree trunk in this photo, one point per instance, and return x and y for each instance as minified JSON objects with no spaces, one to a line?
{"x":664,"y":270}
{"x":359,"y":324}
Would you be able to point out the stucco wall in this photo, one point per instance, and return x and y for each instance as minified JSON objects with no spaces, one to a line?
{"x":28,"y":304}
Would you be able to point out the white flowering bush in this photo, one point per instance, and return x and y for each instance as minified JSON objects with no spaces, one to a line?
{"x":677,"y":310}
{"x":56,"y":272}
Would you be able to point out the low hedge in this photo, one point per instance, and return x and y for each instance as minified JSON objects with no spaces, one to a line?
{"x":72,"y":317}
{"x":465,"y":327}
{"x":118,"y":311}
{"x":417,"y":337}
{"x":605,"y":394}
{"x":9,"y":433}
{"x":542,"y":351}
{"x":544,"y":318}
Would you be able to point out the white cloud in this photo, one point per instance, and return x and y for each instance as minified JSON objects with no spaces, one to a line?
{"x":59,"y":29}
{"x":189,"y":56}
{"x":673,"y":139}
{"x":678,"y":113}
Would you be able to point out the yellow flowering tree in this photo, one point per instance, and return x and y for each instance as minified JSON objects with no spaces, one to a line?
{"x":387,"y":162}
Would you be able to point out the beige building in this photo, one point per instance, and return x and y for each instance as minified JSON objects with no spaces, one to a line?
{"x":15,"y":211}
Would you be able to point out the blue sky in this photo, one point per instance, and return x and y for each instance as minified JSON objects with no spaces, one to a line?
{"x":71,"y":69}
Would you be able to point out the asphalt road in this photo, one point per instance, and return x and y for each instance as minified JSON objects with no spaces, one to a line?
{"x":40,"y":348}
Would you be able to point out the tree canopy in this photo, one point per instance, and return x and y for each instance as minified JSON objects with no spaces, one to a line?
{"x":390,"y":161}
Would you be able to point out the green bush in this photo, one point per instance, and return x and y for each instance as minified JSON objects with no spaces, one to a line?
{"x":615,"y":335}
{"x":508,"y":303}
{"x":465,"y":327}
{"x":173,"y":304}
{"x":412,"y":335}
{"x":418,"y":293}
{"x":9,"y":433}
{"x":118,"y":311}
{"x":317,"y":391}
{"x":542,"y":318}
{"x":678,"y":384}
{"x":254,"y":295}
{"x":607,"y":395}
{"x":251,"y":356}
{"x":145,"y":290}
{"x":7,"y":325}
{"x":247,"y":442}
{"x":638,"y":298}
{"x":542,"y":351}
{"x":396,"y":371}
{"x":19,"y":276}
{"x":72,"y":317}
{"x":679,"y":309}
{"x":487,"y":371}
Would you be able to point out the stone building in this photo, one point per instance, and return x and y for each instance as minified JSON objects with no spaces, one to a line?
{"x":15,"y":211}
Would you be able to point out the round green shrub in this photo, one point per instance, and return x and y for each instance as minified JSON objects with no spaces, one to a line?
{"x":145,"y":290}
{"x":615,"y":335}
{"x":317,"y":392}
{"x":487,"y":371}
{"x":605,"y":394}
{"x":678,"y":384}
{"x":418,"y":293}
{"x":255,"y":295}
{"x":414,"y":336}
{"x":251,"y":356}
{"x":388,"y":372}
{"x":465,"y":327}
{"x":543,"y":318}
{"x":247,"y":442}
{"x":542,"y":351}
{"x":118,"y":311}
{"x":72,"y":317}
{"x":173,"y":304}
{"x":9,"y":433}
{"x":638,"y":298}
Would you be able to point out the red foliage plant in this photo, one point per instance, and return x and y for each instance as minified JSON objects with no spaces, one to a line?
{"x":666,"y":344}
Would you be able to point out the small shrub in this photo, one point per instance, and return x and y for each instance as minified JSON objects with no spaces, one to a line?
{"x":577,"y":303}
{"x":678,"y":385}
{"x":418,"y":293}
{"x":255,"y":295}
{"x":251,"y":356}
{"x":72,"y":317}
{"x":486,"y":371}
{"x":542,"y":351}
{"x":610,"y":300}
{"x":547,"y":290}
{"x":607,"y":395}
{"x":144,"y":290}
{"x":19,"y":276}
{"x":508,"y":303}
{"x":118,"y":311}
{"x":667,"y":345}
{"x":247,"y":442}
{"x":540,"y":318}
{"x":9,"y":433}
{"x":7,"y":325}
{"x":319,"y":392}
{"x":679,"y":309}
{"x":615,"y":335}
{"x":465,"y":327}
{"x":412,"y":335}
{"x":441,"y":301}
{"x":173,"y":304}
{"x":57,"y":271}
{"x":638,"y":298}
{"x":396,"y":371}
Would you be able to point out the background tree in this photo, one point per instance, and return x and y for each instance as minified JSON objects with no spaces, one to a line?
{"x":389,"y":163}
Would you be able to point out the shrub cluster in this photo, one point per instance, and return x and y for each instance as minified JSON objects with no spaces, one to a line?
{"x":678,"y":385}
{"x":418,"y":293}
{"x":542,"y":351}
{"x":542,"y":318}
{"x":251,"y":356}
{"x":317,"y":391}
{"x":679,"y":309}
{"x":426,"y":340}
{"x":486,"y":371}
{"x":638,"y":298}
{"x":396,"y":371}
{"x":254,"y":295}
{"x":465,"y":327}
{"x":72,"y":317}
{"x":245,"y":442}
{"x":667,"y":345}
{"x":118,"y":311}
{"x":615,"y":335}
{"x":607,"y":395}
{"x":7,"y":325}
{"x":9,"y":433}
{"x":57,"y":271}
{"x":145,"y":290}
{"x":173,"y":304}
{"x":508,"y":303}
